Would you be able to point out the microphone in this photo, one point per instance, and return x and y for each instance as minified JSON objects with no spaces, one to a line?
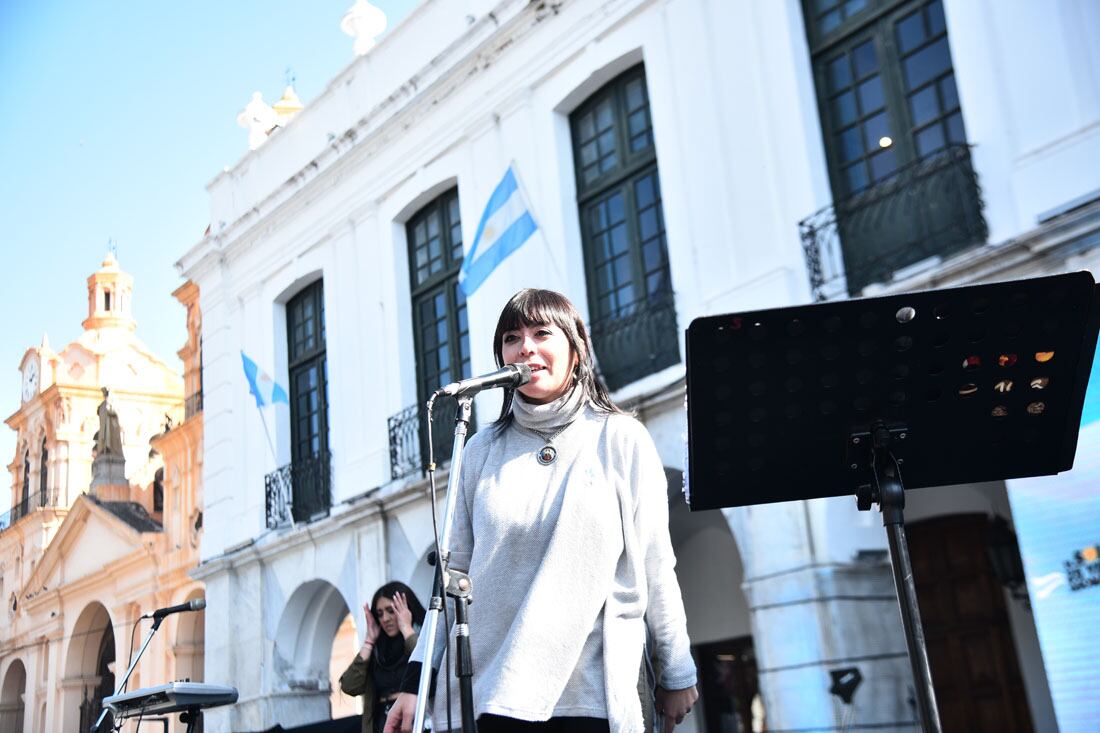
{"x":195,"y":604}
{"x":511,"y":376}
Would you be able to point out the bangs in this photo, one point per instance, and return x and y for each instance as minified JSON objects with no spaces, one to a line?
{"x":535,"y":308}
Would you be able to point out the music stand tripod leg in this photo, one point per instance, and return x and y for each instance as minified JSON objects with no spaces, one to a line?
{"x":889,"y":494}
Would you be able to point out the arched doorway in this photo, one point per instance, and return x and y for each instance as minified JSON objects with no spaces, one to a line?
{"x":344,"y":648}
{"x":11,"y":697}
{"x":190,"y":643}
{"x":304,"y":654}
{"x":89,"y":664}
{"x":710,"y":573}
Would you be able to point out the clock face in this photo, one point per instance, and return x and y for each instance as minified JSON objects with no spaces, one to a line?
{"x":30,"y":379}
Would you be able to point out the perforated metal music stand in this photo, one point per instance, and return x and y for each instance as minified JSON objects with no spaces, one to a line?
{"x":943,"y":387}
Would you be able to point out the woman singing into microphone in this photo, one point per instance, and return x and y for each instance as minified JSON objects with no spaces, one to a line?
{"x":562,"y":523}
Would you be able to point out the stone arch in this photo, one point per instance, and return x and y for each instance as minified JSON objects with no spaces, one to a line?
{"x":424,"y":196}
{"x":302,"y":650}
{"x":158,"y":490}
{"x":708,"y":565}
{"x":345,"y":645}
{"x":710,"y":572}
{"x":89,"y":660}
{"x":597,"y":79}
{"x":12,"y":697}
{"x":189,"y":647}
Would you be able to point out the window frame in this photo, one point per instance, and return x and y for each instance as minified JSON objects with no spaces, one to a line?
{"x":632,"y":161}
{"x":631,"y":168}
{"x":444,"y":281}
{"x":300,"y":362}
{"x":43,"y":472}
{"x":876,"y":22}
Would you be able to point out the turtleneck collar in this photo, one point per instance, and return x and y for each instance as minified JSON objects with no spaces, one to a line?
{"x":552,"y":415}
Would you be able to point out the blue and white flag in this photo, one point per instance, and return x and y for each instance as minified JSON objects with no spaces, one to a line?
{"x":265,"y":389}
{"x":506,"y":224}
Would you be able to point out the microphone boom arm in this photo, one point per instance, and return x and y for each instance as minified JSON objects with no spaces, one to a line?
{"x":148,"y":637}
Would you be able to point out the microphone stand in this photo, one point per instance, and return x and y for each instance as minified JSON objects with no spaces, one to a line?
{"x":456,"y":585}
{"x":148,"y":637}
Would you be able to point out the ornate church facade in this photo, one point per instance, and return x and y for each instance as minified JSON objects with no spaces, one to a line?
{"x":105,"y":518}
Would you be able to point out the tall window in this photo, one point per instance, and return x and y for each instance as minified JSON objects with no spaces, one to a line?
{"x":890,"y":116}
{"x":441,"y":331}
{"x":26,"y":497}
{"x":308,"y":370}
{"x":622,"y":225}
{"x":43,"y":476}
{"x":158,"y":490}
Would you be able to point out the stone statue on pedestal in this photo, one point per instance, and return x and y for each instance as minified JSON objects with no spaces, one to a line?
{"x":108,"y":439}
{"x":109,"y":465}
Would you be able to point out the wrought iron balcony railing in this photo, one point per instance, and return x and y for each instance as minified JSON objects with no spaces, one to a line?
{"x":930,"y":208}
{"x":25,"y":506}
{"x":404,"y":430}
{"x":639,"y":341}
{"x":409,"y":436}
{"x":300,"y":491}
{"x":192,"y":405}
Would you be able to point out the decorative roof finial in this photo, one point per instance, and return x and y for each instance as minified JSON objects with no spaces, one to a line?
{"x":289,"y":105}
{"x":363,"y":22}
{"x":259,"y":119}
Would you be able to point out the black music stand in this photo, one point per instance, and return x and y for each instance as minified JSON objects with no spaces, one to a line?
{"x":954,"y":386}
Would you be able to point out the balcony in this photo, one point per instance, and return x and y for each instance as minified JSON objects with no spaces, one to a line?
{"x":930,"y":208}
{"x":640,"y":341}
{"x":299,"y":492}
{"x":409,"y":436}
{"x":36,"y":500}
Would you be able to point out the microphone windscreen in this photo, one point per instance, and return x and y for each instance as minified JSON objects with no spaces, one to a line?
{"x":198,"y":604}
{"x":524,"y":374}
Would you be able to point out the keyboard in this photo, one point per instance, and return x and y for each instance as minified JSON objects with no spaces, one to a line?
{"x":170,"y":698}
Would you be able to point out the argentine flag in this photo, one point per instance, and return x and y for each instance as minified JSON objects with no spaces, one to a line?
{"x":506,"y":224}
{"x":265,"y":389}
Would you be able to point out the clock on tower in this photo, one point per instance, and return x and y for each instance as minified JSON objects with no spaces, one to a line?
{"x":30,"y":378}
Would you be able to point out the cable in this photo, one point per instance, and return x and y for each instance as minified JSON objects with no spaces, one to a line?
{"x":130,"y":659}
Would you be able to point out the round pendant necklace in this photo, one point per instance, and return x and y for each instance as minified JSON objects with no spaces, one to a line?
{"x":548,"y":453}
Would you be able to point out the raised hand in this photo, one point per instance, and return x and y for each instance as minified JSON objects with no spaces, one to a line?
{"x":404,"y":615}
{"x":373,"y":629}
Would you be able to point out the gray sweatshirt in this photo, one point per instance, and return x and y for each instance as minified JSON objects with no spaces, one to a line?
{"x":569,"y":561}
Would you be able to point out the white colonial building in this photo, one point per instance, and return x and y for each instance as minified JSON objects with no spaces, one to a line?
{"x":682,"y":158}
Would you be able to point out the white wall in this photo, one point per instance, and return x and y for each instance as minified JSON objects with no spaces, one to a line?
{"x":1029,"y":83}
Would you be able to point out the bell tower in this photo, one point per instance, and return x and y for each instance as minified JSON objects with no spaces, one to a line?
{"x":110,"y":291}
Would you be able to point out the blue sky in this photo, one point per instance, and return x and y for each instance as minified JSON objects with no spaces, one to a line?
{"x":115,"y":116}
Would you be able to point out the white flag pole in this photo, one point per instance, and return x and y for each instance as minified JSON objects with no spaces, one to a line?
{"x":267,"y":432}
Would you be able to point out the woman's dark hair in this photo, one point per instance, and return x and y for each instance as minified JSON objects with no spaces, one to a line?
{"x":389,"y":590}
{"x":535,"y":307}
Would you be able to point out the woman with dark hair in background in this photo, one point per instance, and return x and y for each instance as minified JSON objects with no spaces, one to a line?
{"x":394,"y":617}
{"x":562,"y":524}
